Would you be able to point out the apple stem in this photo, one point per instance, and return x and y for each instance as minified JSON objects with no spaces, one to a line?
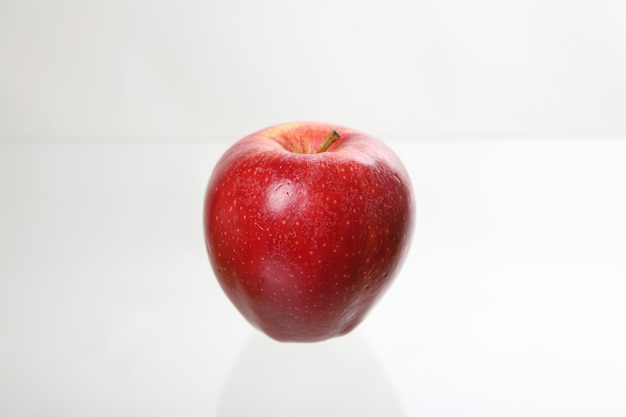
{"x":330,"y":139}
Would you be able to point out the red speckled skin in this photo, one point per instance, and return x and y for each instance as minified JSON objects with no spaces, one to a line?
{"x":305,"y":244}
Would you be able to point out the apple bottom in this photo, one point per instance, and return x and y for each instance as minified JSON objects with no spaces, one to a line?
{"x":307,"y":312}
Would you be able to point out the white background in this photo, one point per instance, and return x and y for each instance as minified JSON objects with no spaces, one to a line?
{"x":508,"y":115}
{"x":387,"y":67}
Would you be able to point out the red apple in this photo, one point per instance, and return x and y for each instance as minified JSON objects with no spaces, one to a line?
{"x":306,"y":225}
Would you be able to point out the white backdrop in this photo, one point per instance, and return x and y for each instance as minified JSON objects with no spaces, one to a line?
{"x":210,"y":68}
{"x":511,"y":302}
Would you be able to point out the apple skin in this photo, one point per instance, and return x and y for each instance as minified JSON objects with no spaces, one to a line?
{"x":305,"y":243}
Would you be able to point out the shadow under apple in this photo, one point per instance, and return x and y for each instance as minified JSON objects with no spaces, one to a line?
{"x":338,"y":377}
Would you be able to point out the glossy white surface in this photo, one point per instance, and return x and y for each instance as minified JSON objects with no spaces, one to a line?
{"x":511,"y":302}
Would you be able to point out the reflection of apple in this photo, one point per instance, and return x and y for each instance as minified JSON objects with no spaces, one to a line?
{"x":305,"y":226}
{"x":340,"y":378}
